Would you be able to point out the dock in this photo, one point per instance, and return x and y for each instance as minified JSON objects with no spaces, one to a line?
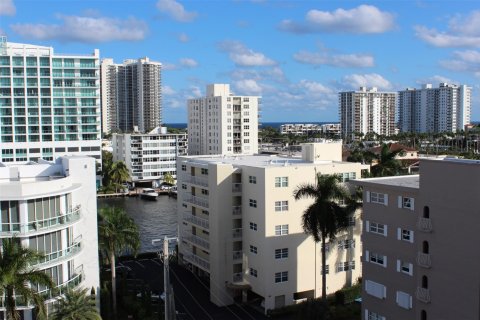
{"x":135,"y":193}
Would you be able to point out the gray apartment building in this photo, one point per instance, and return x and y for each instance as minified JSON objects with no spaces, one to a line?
{"x":419,"y":237}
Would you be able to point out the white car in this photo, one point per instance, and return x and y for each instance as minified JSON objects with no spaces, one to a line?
{"x":153,"y":295}
{"x":165,"y":187}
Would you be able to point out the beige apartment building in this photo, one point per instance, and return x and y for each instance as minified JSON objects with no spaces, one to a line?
{"x":420,"y":259}
{"x":240,"y":226}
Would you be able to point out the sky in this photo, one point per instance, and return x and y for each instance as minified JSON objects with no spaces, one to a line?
{"x":296,"y":55}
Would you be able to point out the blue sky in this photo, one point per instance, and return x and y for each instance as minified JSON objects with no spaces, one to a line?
{"x":296,"y":54}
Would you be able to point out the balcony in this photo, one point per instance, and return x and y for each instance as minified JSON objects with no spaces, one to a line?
{"x":199,"y":181}
{"x":237,"y":210}
{"x":196,"y":260}
{"x":423,"y":295}
{"x":237,"y":187}
{"x":237,"y":233}
{"x":38,"y":226}
{"x":237,"y":255}
{"x":60,"y":255}
{"x":196,"y":240}
{"x":196,"y":220}
{"x":424,"y":260}
{"x":199,"y":201}
{"x":425,"y":225}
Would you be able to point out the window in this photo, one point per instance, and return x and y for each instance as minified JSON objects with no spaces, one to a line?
{"x":205,"y":192}
{"x":281,"y":182}
{"x":252,"y":179}
{"x":404,"y":300}
{"x":375,"y":289}
{"x":406,"y":203}
{"x":253,"y":249}
{"x":404,"y":267}
{"x":345,"y":266}
{"x":281,"y":276}
{"x":204,"y":171}
{"x":405,"y":235}
{"x":281,"y":253}
{"x":253,"y":203}
{"x":281,"y":206}
{"x":347,"y":176}
{"x":253,"y":272}
{"x":377,"y":228}
{"x":380,"y":198}
{"x":246,"y":127}
{"x":184,"y":167}
{"x":253,"y":226}
{"x":184,"y":186}
{"x":369,"y":315}
{"x":376,"y":258}
{"x":281,"y":230}
{"x":346,"y":244}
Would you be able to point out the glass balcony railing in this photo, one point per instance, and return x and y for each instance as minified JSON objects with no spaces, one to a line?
{"x":196,"y":260}
{"x":60,"y":255}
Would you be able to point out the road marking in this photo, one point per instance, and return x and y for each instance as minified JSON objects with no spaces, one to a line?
{"x":141,"y":265}
{"x":157,"y":263}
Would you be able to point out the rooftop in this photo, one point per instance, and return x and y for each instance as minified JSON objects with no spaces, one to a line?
{"x":410,"y":181}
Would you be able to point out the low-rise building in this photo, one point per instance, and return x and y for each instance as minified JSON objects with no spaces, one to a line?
{"x":417,"y":229}
{"x":52,"y":208}
{"x":240,"y":226}
{"x":300,"y":128}
{"x":149,"y":157}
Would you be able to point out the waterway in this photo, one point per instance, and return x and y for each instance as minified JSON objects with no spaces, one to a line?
{"x":155,"y":219}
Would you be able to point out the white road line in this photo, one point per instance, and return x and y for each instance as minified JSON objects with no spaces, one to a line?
{"x":141,"y":265}
{"x":157,"y":263}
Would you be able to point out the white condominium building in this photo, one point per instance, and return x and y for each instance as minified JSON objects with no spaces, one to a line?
{"x":49,"y":103}
{"x":223,"y":123}
{"x":366,"y":111}
{"x":240,"y":226}
{"x":442,"y":109}
{"x":150,"y":156}
{"x":52,"y":208}
{"x":300,"y":128}
{"x":131,"y":95}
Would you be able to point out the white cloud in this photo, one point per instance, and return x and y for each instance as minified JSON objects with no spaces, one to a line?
{"x":243,"y":56}
{"x":248,"y":87}
{"x":463,"y":61}
{"x":315,"y":88}
{"x":188,"y":63}
{"x":176,"y":10}
{"x":85,"y":29}
{"x":462,"y":31}
{"x":7,"y":8}
{"x":435,"y":80}
{"x":362,"y":19}
{"x":168,"y":91}
{"x":183,"y":37}
{"x":335,"y":60}
{"x":356,"y":81}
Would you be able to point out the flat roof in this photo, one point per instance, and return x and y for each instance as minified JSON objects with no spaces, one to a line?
{"x":410,"y":181}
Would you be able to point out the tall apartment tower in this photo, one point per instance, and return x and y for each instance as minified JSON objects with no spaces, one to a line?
{"x":240,"y":226}
{"x":49,"y":104}
{"x":416,"y":243}
{"x":52,"y":208}
{"x":366,"y":111}
{"x":442,"y":109}
{"x":223,"y":123}
{"x":131,"y":95}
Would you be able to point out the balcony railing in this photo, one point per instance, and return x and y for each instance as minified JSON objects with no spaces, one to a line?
{"x":237,"y":233}
{"x":425,"y":225}
{"x":196,"y":220}
{"x":54,"y":257}
{"x":423,"y":295}
{"x":196,"y":240}
{"x":424,"y":260}
{"x":196,"y":260}
{"x":237,"y":277}
{"x":237,"y":255}
{"x":237,"y":210}
{"x":203,"y":202}
{"x":237,"y":187}
{"x":201,"y":181}
{"x":70,"y":217}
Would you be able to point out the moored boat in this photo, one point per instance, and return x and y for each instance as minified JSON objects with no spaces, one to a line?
{"x":149,"y":194}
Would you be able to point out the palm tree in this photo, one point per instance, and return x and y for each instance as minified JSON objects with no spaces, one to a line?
{"x":168,"y":178}
{"x":119,"y":173}
{"x":387,"y":164}
{"x":76,"y":305}
{"x":18,"y":280}
{"x":107,"y":162}
{"x":325,"y":218}
{"x":117,"y":233}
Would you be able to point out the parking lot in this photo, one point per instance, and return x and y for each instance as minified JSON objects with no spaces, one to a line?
{"x":192,"y":298}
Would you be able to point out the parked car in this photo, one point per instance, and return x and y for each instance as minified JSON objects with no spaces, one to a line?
{"x":165,"y":187}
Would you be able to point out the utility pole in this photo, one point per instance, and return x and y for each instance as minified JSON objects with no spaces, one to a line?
{"x":169,"y":300}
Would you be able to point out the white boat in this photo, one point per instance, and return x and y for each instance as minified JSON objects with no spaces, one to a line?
{"x":149,"y":194}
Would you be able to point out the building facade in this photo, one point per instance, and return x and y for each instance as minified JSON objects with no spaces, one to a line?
{"x":49,"y":104}
{"x":240,"y":227}
{"x":223,"y":123}
{"x":367,"y":111}
{"x":150,"y":156}
{"x":131,"y":95}
{"x":52,"y":208}
{"x":443,"y":109}
{"x":417,"y":231}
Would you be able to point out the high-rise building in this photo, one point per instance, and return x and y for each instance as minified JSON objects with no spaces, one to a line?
{"x":367,"y":111}
{"x":131,"y":95}
{"x":240,"y":226}
{"x":419,"y":241}
{"x":49,"y":104}
{"x":223,"y":123}
{"x":52,"y":208}
{"x":149,"y":157}
{"x":442,"y":109}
